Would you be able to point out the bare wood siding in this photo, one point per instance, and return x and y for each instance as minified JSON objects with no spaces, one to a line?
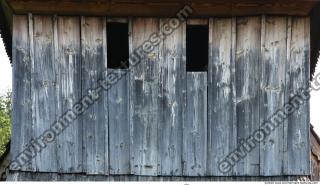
{"x":273,"y":48}
{"x":144,"y":102}
{"x":248,"y":72}
{"x":43,"y":88}
{"x":298,"y":142}
{"x":29,"y":176}
{"x":195,"y":127}
{"x":222,"y":133}
{"x":119,"y":124}
{"x":95,"y":119}
{"x":68,"y":89}
{"x":160,"y":120}
{"x":22,"y":61}
{"x":172,"y":84}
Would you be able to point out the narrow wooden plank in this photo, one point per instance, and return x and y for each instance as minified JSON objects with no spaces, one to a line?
{"x":197,"y":21}
{"x":22,"y":131}
{"x":119,"y":124}
{"x":286,"y":97}
{"x":195,"y":128}
{"x":172,"y":100}
{"x":273,"y":54}
{"x":117,"y":19}
{"x":95,"y":119}
{"x":222,"y":133}
{"x":247,"y":89}
{"x":68,"y":88}
{"x":298,"y":144}
{"x":43,"y":90}
{"x":144,"y":100}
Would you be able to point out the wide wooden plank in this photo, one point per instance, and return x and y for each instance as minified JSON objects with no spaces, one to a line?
{"x":172,"y":99}
{"x":144,"y":107}
{"x":43,"y":90}
{"x":222,"y":133}
{"x":68,"y":89}
{"x":164,"y":7}
{"x":248,"y":74}
{"x":273,"y":54}
{"x":22,"y":131}
{"x":95,"y":119}
{"x":195,"y":128}
{"x":119,"y":123}
{"x":297,"y":131}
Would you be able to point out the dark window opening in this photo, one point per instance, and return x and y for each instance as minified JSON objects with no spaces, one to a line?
{"x":118,"y":45}
{"x":197,"y":47}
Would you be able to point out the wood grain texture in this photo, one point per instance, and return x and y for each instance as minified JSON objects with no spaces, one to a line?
{"x":43,"y":90}
{"x":148,"y":124}
{"x":144,"y":100}
{"x":172,"y":99}
{"x":298,"y":142}
{"x":119,"y":123}
{"x":22,"y":131}
{"x":29,"y":176}
{"x":68,"y":90}
{"x":164,"y":8}
{"x":273,"y":52}
{"x":195,"y":128}
{"x":247,"y":74}
{"x":222,"y":133}
{"x":95,"y":119}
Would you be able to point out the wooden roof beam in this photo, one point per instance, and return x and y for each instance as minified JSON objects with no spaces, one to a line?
{"x":163,"y":8}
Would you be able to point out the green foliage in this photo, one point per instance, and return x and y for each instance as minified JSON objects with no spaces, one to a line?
{"x":5,"y":120}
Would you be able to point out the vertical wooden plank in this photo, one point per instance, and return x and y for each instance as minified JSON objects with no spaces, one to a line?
{"x":298,"y":144}
{"x":43,"y":87}
{"x":222,"y":135}
{"x":247,"y":89}
{"x":22,"y":131}
{"x":68,"y":88}
{"x":195,"y":128}
{"x":119,"y":119}
{"x":273,"y":54}
{"x":144,"y":100}
{"x":95,"y":119}
{"x":172,"y":100}
{"x":119,"y":123}
{"x":286,"y":97}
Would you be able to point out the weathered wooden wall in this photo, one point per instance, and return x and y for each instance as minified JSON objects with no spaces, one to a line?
{"x":32,"y":176}
{"x":160,"y":120}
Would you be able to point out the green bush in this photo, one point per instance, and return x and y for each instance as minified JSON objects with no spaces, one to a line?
{"x":5,"y":120}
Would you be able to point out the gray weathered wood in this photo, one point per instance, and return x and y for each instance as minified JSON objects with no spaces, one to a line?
{"x":222,"y":133}
{"x":144,"y":100}
{"x":119,"y":124}
{"x":298,"y":144}
{"x":68,"y":90}
{"x":22,"y":131}
{"x":253,"y":70}
{"x":247,"y":89}
{"x":43,"y":90}
{"x":95,"y":119}
{"x":273,"y":52}
{"x":29,"y":176}
{"x":172,"y":100}
{"x":195,"y":128}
